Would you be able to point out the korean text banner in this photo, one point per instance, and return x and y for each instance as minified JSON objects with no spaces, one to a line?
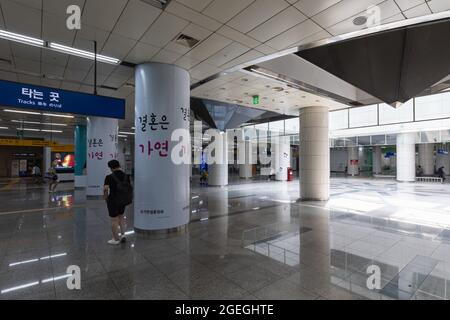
{"x":27,"y":96}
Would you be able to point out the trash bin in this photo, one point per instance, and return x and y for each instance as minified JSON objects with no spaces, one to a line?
{"x":290,"y":174}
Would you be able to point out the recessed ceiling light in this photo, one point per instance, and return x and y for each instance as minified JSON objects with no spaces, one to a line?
{"x":244,"y":79}
{"x":360,"y":20}
{"x":28,"y":129}
{"x":4,"y":128}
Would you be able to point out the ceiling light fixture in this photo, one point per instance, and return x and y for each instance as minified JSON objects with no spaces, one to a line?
{"x":4,"y":128}
{"x":45,"y":124}
{"x":82,"y":53}
{"x":20,"y":111}
{"x":51,"y":131}
{"x":127,"y":133}
{"x":58,"y":115}
{"x":28,"y":129}
{"x":21,"y":38}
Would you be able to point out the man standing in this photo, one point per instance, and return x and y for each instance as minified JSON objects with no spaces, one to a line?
{"x":118,"y":193}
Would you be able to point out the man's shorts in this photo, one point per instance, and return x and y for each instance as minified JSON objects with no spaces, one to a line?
{"x":114,"y":210}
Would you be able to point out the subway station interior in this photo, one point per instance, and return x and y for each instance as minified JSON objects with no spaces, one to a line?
{"x":277,"y":149}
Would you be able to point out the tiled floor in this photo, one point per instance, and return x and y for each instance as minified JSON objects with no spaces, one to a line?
{"x":245,"y":241}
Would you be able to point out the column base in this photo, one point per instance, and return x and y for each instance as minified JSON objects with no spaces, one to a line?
{"x":312,"y":199}
{"x":161,"y":234}
{"x":80,"y":182}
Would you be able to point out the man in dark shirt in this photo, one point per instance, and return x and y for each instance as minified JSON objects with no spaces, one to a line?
{"x":116,"y":212}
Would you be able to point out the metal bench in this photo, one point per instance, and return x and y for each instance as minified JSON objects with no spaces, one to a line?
{"x":429,"y":179}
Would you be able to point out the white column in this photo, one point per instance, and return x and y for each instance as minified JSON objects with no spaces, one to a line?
{"x":406,"y":157}
{"x":314,"y":154}
{"x":101,"y":148}
{"x":426,"y":158}
{"x":162,"y":186}
{"x":353,"y":161}
{"x":376,"y":160}
{"x":218,"y":172}
{"x":47,"y":159}
{"x":282,"y":153}
{"x":245,"y":169}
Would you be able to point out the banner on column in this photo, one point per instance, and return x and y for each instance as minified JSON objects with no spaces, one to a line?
{"x":102,"y":139}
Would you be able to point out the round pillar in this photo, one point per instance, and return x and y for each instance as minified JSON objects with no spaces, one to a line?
{"x":218,"y":172}
{"x":162,"y":186}
{"x":426,"y":158}
{"x":376,"y":160}
{"x":353,"y":161}
{"x":244,"y":151}
{"x":282,"y":154}
{"x":314,"y":154}
{"x":101,"y":148}
{"x":80,"y":156}
{"x":406,"y":157}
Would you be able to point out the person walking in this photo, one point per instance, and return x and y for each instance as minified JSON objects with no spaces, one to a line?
{"x":118,"y":193}
{"x":36,"y":173}
{"x":54,"y":180}
{"x":441,"y":173}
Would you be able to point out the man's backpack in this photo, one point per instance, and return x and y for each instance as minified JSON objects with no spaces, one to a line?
{"x":124,"y":191}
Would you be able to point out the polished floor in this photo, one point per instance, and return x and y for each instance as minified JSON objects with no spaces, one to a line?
{"x":250,"y":240}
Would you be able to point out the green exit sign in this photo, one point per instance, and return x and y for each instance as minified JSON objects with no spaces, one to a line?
{"x":256,"y":99}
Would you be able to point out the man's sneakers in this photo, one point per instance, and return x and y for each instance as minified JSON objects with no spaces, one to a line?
{"x":123,"y":238}
{"x":114,"y":242}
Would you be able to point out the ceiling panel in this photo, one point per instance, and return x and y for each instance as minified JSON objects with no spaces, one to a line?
{"x":417,"y":11}
{"x":5,"y":50}
{"x":8,"y":76}
{"x":53,"y":32}
{"x":118,"y":47}
{"x":50,"y":70}
{"x":187,"y":62}
{"x":342,"y":11}
{"x":22,"y":19}
{"x":59,"y":7}
{"x":245,"y":58}
{"x":80,"y":63}
{"x":278,"y":24}
{"x":294,"y":35}
{"x":203,"y":70}
{"x":193,"y":16}
{"x":225,"y":10}
{"x":197,"y":5}
{"x":166,"y":56}
{"x":237,"y":36}
{"x":102,"y":14}
{"x":28,"y":65}
{"x":142,"y":53}
{"x":136,"y":19}
{"x":313,"y":7}
{"x":227,"y":54}
{"x":387,"y":9}
{"x":54,"y":58}
{"x":257,"y":13}
{"x":208,"y":47}
{"x":408,"y":4}
{"x":165,"y":29}
{"x":25,"y":52}
{"x":439,"y":5}
{"x":85,"y":37}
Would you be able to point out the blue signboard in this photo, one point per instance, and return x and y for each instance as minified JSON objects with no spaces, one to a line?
{"x":442,"y":151}
{"x":28,"y":96}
